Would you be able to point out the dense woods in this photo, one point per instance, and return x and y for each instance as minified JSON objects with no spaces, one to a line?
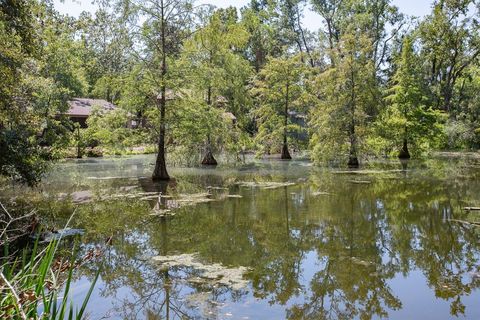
{"x":202,"y":82}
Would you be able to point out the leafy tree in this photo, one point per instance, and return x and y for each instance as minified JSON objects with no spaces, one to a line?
{"x":165,"y":25}
{"x":262,"y":36}
{"x":20,"y":154}
{"x":106,"y":50}
{"x":408,"y":118}
{"x":108,"y":128}
{"x":279,"y":90}
{"x":373,"y":18}
{"x":450,"y":43}
{"x":212,"y":55}
{"x":346,"y":93}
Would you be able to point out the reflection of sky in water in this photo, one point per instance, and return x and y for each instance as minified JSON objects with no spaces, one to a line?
{"x":336,"y":244}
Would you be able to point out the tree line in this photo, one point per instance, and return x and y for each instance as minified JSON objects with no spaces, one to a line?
{"x":371,"y":82}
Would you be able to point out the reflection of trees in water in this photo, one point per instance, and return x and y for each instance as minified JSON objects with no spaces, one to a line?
{"x":352,"y":280}
{"x":409,"y":216}
{"x":362,"y":236}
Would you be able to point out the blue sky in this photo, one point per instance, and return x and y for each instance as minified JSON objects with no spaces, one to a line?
{"x":312,"y":21}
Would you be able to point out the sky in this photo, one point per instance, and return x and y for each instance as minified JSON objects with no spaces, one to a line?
{"x":311,"y":20}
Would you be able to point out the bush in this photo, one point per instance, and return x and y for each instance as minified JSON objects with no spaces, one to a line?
{"x":461,"y":135}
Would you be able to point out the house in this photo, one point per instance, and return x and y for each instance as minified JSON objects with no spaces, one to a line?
{"x":81,"y":108}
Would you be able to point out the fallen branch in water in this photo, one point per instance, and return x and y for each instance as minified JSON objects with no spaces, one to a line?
{"x":476,"y":224}
{"x":471,"y":208}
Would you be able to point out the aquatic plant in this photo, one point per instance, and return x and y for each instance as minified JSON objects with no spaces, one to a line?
{"x":37,"y":284}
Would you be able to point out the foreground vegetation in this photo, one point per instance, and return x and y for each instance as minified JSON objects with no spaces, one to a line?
{"x":199,"y":81}
{"x":33,"y":284}
{"x":35,"y":278}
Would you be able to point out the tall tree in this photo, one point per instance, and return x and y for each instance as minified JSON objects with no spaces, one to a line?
{"x":344,"y":93}
{"x":377,"y":19}
{"x":35,"y":87}
{"x":106,"y":53}
{"x":212,"y":53}
{"x":279,"y":90}
{"x":291,"y":14}
{"x":166,"y":24}
{"x":408,"y":117}
{"x":450,"y":44}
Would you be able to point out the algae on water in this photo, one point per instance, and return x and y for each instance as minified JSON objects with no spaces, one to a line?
{"x":214,"y":274}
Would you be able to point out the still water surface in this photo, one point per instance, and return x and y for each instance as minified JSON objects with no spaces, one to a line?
{"x":288,"y":240}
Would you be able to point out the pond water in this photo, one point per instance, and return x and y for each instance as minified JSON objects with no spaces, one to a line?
{"x":271,"y":239}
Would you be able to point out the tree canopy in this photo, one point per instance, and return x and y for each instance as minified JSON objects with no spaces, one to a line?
{"x":199,"y":83}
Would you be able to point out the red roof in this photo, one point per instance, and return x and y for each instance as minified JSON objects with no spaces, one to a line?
{"x":80,"y":107}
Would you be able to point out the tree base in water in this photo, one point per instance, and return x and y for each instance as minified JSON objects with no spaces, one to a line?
{"x":161,"y":177}
{"x":285,"y":153}
{"x":209,"y":160}
{"x":404,"y":154}
{"x":353,"y":162}
{"x":160,"y":173}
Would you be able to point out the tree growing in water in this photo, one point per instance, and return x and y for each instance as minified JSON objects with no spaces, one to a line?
{"x":408,"y":120}
{"x":166,"y":23}
{"x":279,"y":90}
{"x":210,"y":54}
{"x":345,"y":95}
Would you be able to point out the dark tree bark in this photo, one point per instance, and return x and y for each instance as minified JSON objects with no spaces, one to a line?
{"x":285,"y":153}
{"x":404,"y":154}
{"x":209,"y":159}
{"x":352,"y":157}
{"x":79,"y":148}
{"x":160,"y":171}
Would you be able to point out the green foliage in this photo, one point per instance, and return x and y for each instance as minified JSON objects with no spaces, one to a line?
{"x":450,"y":44}
{"x":346,"y":95}
{"x":279,"y":90}
{"x":110,"y":131}
{"x":407,"y":118}
{"x":361,"y":91}
{"x":33,"y":285}
{"x":191,"y":121}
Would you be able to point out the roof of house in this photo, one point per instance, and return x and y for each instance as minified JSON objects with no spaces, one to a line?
{"x":82,"y":107}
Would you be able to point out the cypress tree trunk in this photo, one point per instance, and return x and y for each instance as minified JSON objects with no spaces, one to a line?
{"x":352,"y":158}
{"x":404,"y":154}
{"x":285,"y":153}
{"x":79,"y":149}
{"x":209,"y":159}
{"x":160,"y":172}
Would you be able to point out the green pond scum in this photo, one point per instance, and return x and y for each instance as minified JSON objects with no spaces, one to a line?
{"x":268,"y":240}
